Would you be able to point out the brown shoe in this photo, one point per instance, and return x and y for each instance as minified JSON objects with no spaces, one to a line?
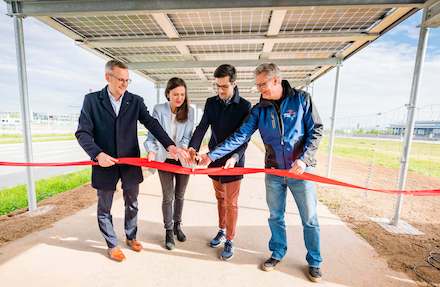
{"x":116,"y":254}
{"x":134,"y":245}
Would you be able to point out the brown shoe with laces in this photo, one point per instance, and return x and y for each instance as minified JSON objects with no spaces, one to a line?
{"x":116,"y":254}
{"x":134,"y":245}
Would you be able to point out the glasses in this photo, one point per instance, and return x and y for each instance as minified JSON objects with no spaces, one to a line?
{"x":121,"y":80}
{"x":263,"y":84}
{"x":223,"y":87}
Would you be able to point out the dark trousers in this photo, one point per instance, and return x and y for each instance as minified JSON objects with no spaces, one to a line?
{"x":173,"y":191}
{"x":105,"y":219}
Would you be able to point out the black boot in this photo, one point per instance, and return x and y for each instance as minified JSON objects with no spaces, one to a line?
{"x":169,"y":240}
{"x":178,"y":231}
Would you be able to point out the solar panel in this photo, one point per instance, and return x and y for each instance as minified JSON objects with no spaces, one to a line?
{"x":310,"y":34}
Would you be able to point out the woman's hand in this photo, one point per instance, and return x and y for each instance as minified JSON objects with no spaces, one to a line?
{"x":151,"y":156}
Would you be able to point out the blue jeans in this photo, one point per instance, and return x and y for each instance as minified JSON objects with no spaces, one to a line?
{"x":304,"y":193}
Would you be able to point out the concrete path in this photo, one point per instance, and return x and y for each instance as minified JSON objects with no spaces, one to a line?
{"x":72,"y":252}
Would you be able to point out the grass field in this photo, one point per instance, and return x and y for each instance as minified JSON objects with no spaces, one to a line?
{"x":424,"y":157}
{"x":16,"y":197}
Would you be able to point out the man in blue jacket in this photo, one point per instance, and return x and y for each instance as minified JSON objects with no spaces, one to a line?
{"x":291,"y":130}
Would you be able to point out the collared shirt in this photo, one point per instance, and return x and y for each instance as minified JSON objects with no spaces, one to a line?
{"x":116,"y":104}
{"x":224,"y":120}
{"x":232,"y":99}
{"x":227,"y":101}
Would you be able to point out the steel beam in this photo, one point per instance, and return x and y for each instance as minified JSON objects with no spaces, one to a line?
{"x":433,"y":14}
{"x":26,"y":118}
{"x":410,"y":123}
{"x":276,"y":21}
{"x":117,"y":7}
{"x":236,"y":63}
{"x":242,"y":84}
{"x":333,"y":121}
{"x":167,"y":26}
{"x":221,"y":40}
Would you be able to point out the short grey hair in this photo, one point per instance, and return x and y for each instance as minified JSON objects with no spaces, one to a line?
{"x":114,"y":63}
{"x":270,"y":69}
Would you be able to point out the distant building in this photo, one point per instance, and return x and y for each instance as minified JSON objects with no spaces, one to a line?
{"x":9,"y":118}
{"x":427,"y":129}
{"x":54,"y":118}
{"x":14,"y":119}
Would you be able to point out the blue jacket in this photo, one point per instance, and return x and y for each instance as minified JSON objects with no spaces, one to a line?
{"x":293,"y":132}
{"x":162,"y":112}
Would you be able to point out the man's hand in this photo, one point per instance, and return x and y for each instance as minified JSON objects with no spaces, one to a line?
{"x":104,"y":160}
{"x":172,"y":150}
{"x":180,"y":154}
{"x":151,"y":156}
{"x":230,"y":163}
{"x":183,"y":156}
{"x":204,"y":160}
{"x":193,"y":154}
{"x":298,"y":167}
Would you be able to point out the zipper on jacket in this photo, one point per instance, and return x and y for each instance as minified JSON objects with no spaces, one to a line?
{"x":280,"y":119}
{"x":281,"y":126}
{"x":273,"y":120}
{"x":281,"y":130}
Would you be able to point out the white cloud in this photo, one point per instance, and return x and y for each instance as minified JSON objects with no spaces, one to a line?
{"x":59,"y":73}
{"x":408,"y":30}
{"x":377,"y":79}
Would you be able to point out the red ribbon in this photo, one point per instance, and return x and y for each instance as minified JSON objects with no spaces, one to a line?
{"x":219,"y":171}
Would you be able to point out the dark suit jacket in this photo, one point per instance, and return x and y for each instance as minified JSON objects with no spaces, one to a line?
{"x":224,"y":120}
{"x":100,"y":130}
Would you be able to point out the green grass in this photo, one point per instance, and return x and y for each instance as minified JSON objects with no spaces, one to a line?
{"x":424,"y":157}
{"x":16,"y":197}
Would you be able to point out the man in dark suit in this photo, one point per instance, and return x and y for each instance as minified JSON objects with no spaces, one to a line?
{"x":224,"y":113}
{"x":107,"y":130}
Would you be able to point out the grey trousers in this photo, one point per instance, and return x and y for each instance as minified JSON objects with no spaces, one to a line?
{"x":105,"y":219}
{"x":173,"y":191}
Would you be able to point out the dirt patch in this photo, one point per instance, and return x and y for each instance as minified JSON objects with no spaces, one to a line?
{"x":355,"y":207}
{"x":18,"y":224}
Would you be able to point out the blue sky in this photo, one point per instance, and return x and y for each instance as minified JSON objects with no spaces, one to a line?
{"x":59,"y":72}
{"x":377,"y":79}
